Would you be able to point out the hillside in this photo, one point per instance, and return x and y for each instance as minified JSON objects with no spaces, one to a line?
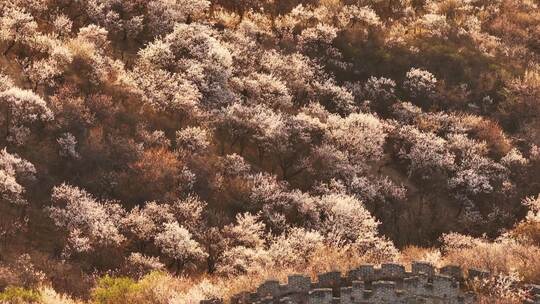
{"x":173,"y":151}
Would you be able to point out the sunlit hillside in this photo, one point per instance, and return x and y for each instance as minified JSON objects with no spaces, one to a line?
{"x":172,"y":151}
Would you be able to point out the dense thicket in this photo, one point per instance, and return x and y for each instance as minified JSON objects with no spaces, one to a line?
{"x":229,"y":136}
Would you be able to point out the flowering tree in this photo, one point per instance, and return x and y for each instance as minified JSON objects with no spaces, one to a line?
{"x":533,"y":203}
{"x":348,"y":222}
{"x":248,"y":231}
{"x":15,"y":172}
{"x":234,"y":165}
{"x":362,"y":136}
{"x":190,"y":212}
{"x":287,"y":67}
{"x":347,"y":219}
{"x":89,"y":224}
{"x":192,"y":140}
{"x":176,"y":242}
{"x":68,"y":146}
{"x":16,"y":26}
{"x":266,"y":89}
{"x":20,"y":109}
{"x":158,"y":224}
{"x":281,"y":207}
{"x":426,"y":152}
{"x":165,"y":91}
{"x":381,"y":91}
{"x":47,"y":71}
{"x":420,"y":84}
{"x":240,"y":125}
{"x":245,"y":250}
{"x":147,"y":221}
{"x":204,"y":60}
{"x":163,"y":14}
{"x":295,"y":247}
{"x":122,"y":19}
{"x":138,"y":265}
{"x":293,"y":143}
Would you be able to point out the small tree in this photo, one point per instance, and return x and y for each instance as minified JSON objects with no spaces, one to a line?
{"x":192,"y":140}
{"x":16,"y":26}
{"x":20,"y":109}
{"x":89,"y":224}
{"x":14,"y":173}
{"x":420,"y":84}
{"x":163,"y":14}
{"x":176,"y":242}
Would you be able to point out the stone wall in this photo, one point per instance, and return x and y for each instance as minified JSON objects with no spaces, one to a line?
{"x":367,"y":284}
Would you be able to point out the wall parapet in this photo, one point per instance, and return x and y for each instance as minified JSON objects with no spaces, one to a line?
{"x":368,"y":284}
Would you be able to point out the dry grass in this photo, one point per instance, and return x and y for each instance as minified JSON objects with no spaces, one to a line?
{"x":324,"y":260}
{"x":413,"y":253}
{"x":500,"y":257}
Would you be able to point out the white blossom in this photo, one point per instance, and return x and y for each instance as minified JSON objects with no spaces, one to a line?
{"x":192,"y":140}
{"x":362,"y":135}
{"x":426,"y":152}
{"x":68,"y":145}
{"x":63,"y":25}
{"x":346,"y":219}
{"x":322,"y":33}
{"x":533,"y":203}
{"x":138,"y":264}
{"x":260,"y":88}
{"x":89,"y":223}
{"x":295,"y":247}
{"x":163,"y":14}
{"x":420,"y":83}
{"x":5,"y":82}
{"x":16,"y":25}
{"x":353,"y":14}
{"x":145,"y":222}
{"x":13,"y":171}
{"x":177,"y":242}
{"x":380,"y":89}
{"x":514,"y":158}
{"x":22,"y":108}
{"x":248,"y":231}
{"x":234,"y":165}
{"x":435,"y":24}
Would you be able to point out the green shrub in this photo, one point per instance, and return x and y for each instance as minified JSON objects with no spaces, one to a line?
{"x":111,"y":290}
{"x":19,"y":295}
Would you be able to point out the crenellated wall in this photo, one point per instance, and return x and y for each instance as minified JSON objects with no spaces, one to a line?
{"x":367,"y":284}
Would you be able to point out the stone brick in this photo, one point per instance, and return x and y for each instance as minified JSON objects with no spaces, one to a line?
{"x":329,"y":279}
{"x":321,"y":296}
{"x":422,"y":285}
{"x":422,"y":267}
{"x":365,"y":273}
{"x":392,"y":271}
{"x":453,"y":271}
{"x":298,"y":283}
{"x":269,"y":288}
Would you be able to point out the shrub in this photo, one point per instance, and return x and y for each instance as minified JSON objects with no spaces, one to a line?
{"x":503,"y":255}
{"x":490,"y":132}
{"x":50,"y":296}
{"x":19,"y":295}
{"x":111,"y":290}
{"x":500,"y":289}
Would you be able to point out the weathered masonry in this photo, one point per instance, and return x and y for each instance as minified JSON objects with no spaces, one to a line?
{"x":367,"y":284}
